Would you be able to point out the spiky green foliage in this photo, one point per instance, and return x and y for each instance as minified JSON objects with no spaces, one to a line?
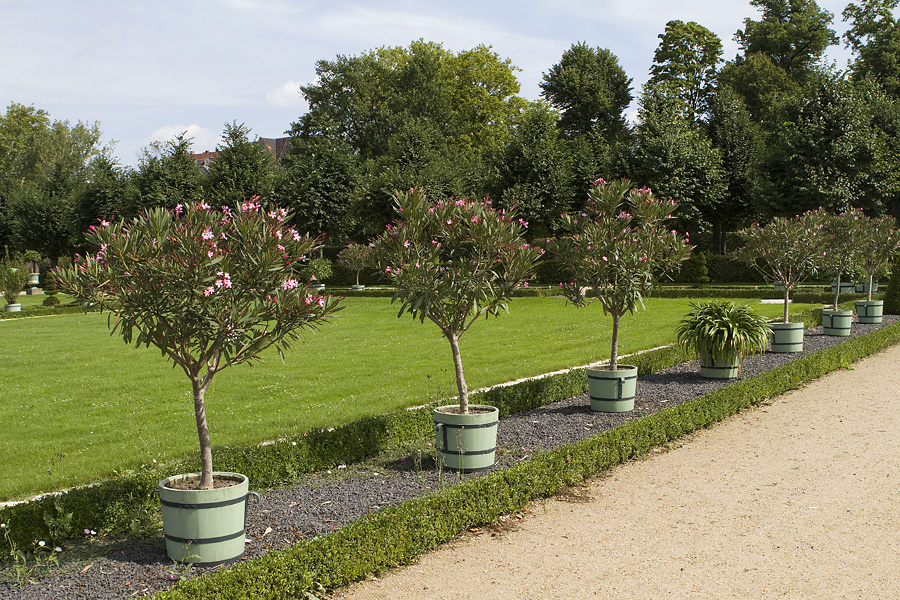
{"x":723,"y":331}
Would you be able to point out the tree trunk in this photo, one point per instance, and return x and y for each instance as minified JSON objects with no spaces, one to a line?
{"x":869,"y":291}
{"x":837,"y":290}
{"x":614,"y":352}
{"x":787,"y":299}
{"x":206,"y":480}
{"x":460,"y":378}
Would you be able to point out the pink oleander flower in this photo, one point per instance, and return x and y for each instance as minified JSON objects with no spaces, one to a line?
{"x":207,"y":234}
{"x":289,"y":284}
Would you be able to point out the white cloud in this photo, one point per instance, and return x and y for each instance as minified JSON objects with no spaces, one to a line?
{"x":286,"y":96}
{"x":203,"y":139}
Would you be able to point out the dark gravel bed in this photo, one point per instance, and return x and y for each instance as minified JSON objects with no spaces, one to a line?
{"x":327,"y":501}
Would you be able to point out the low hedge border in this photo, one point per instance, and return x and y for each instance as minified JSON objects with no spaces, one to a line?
{"x":42,"y":311}
{"x":122,"y":503}
{"x":397,"y":535}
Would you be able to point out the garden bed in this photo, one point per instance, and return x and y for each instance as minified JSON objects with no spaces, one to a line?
{"x":328,"y":501}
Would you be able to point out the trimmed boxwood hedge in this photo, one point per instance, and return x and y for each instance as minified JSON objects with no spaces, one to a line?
{"x":396,"y":535}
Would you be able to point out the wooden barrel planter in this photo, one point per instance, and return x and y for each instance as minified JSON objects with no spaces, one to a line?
{"x":787,"y":337}
{"x":836,"y":322}
{"x":869,"y":311}
{"x":612,"y":391}
{"x":719,"y":368}
{"x":204,"y":527}
{"x":465,"y":442}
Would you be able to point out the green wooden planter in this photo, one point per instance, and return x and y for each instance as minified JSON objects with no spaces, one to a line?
{"x":719,"y":369}
{"x":13,"y":308}
{"x":863,"y":288}
{"x":869,"y":311}
{"x":787,"y":337}
{"x":466,"y":443}
{"x":612,"y":391}
{"x":204,"y":527}
{"x":357,"y":288}
{"x":836,"y":322}
{"x":846,"y":288}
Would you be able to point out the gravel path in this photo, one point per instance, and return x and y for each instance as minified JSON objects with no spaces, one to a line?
{"x":328,"y":501}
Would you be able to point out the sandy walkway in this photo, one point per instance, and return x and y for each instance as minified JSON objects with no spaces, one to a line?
{"x":796,"y":499}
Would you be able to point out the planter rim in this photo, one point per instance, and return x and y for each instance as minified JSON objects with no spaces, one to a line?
{"x":620,"y":368}
{"x":447,"y":410}
{"x":239,"y":478}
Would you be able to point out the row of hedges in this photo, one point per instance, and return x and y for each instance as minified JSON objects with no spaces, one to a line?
{"x":397,"y":535}
{"x":123,"y":503}
{"x":42,"y":311}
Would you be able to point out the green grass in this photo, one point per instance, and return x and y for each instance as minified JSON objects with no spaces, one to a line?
{"x":77,"y":404}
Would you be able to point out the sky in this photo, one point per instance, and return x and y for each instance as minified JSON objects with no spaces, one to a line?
{"x":153,"y":69}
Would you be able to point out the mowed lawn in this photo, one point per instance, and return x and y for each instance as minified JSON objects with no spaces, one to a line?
{"x":77,"y":404}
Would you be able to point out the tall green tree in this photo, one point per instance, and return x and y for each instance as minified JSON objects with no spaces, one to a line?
{"x":676,"y":160}
{"x":242,"y":169}
{"x":44,"y":170}
{"x":167,"y":176}
{"x":535,"y":171}
{"x":687,"y":57}
{"x":793,"y":33}
{"x":109,"y":193}
{"x":591,"y":91}
{"x":761,"y":84}
{"x":874,"y":37}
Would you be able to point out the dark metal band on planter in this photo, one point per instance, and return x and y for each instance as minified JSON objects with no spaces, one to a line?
{"x":466,"y":452}
{"x":446,"y":426}
{"x":720,"y":368}
{"x":204,"y":504}
{"x":213,"y":540}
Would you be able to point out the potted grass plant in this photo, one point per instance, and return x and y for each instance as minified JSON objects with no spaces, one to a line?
{"x":355,"y":257}
{"x":210,"y":290}
{"x":841,"y":250}
{"x":721,"y":335}
{"x":13,"y":277}
{"x":878,"y":242}
{"x":610,"y":253}
{"x":454,"y":262}
{"x":787,"y":251}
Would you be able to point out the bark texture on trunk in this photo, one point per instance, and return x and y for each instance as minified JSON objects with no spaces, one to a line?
{"x":206,"y":481}
{"x":460,"y":378}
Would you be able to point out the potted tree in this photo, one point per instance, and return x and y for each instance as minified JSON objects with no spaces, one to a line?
{"x":611,"y":252}
{"x":453,"y":262}
{"x":840,"y":252}
{"x":721,"y":334}
{"x":316,"y":272}
{"x":786,"y":251}
{"x":355,"y":257}
{"x":878,"y":242}
{"x":13,"y":277}
{"x":209,"y":289}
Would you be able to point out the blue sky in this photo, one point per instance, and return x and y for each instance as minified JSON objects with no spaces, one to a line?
{"x":149,"y":70}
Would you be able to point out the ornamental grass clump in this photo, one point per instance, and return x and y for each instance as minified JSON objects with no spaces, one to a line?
{"x":615,"y":248}
{"x":723,"y":332}
{"x":786,"y":251}
{"x":453,"y":261}
{"x":210,"y":289}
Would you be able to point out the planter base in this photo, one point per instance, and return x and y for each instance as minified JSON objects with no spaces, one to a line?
{"x":836,"y":322}
{"x":205,"y":528}
{"x":612,"y":391}
{"x":787,"y":337}
{"x":720,"y":369}
{"x":12,"y":308}
{"x":869,"y":311}
{"x":466,"y":443}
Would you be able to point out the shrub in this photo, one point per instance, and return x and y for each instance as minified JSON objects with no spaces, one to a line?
{"x":51,"y":300}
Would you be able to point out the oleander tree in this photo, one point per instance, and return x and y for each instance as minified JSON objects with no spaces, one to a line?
{"x":453,"y":262}
{"x":208,"y":288}
{"x":615,"y":248}
{"x":355,"y":257}
{"x":841,"y":248}
{"x":878,"y":242}
{"x":787,"y":251}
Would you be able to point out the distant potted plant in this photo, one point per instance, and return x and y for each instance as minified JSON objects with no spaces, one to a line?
{"x":610,"y":252}
{"x":13,"y":277}
{"x":355,"y":257}
{"x":721,"y":335}
{"x":32,"y":259}
{"x":316,"y":271}
{"x":787,"y":251}
{"x":878,"y":242}
{"x":453,"y":262}
{"x":209,"y":289}
{"x":840,"y":252}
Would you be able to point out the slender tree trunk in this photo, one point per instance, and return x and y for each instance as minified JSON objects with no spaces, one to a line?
{"x":614,"y":352}
{"x":837,"y":290}
{"x":869,"y":291}
{"x":460,"y":378}
{"x":206,"y":479}
{"x":787,"y":299}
